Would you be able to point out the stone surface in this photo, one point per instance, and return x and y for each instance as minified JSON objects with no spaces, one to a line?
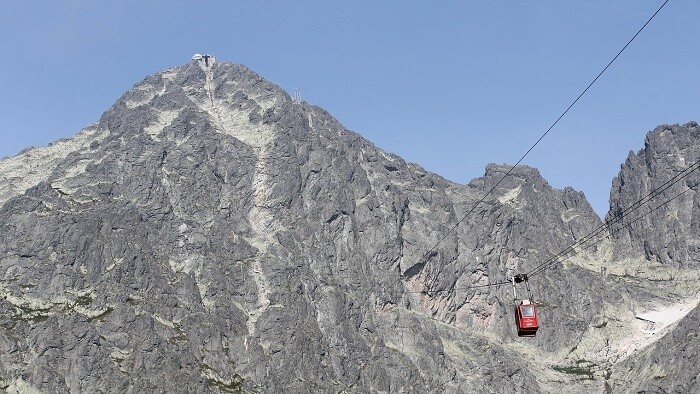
{"x":210,"y":234}
{"x":671,"y":233}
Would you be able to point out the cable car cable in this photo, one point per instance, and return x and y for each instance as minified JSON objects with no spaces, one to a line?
{"x":558,"y":257}
{"x":618,"y":217}
{"x":581,"y":243}
{"x":621,"y":215}
{"x":527,"y":324}
{"x":555,"y":259}
{"x":603,"y":227}
{"x":432,"y":250}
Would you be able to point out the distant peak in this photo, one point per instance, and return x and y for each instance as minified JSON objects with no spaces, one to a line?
{"x":493,"y":169}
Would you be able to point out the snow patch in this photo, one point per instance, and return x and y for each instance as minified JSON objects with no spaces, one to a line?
{"x":661,"y":318}
{"x":650,"y":326}
{"x":636,"y":332}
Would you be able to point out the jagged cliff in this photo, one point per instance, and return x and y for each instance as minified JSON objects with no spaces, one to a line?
{"x":670,"y":235}
{"x":210,"y":234}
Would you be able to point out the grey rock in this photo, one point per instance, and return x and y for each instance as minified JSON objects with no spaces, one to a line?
{"x":210,"y":234}
{"x":667,"y":366}
{"x":668,"y":232}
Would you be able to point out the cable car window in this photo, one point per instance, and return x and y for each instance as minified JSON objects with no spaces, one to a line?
{"x":527,"y":310}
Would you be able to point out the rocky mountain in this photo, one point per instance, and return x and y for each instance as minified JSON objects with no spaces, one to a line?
{"x":211,"y":234}
{"x":668,"y":151}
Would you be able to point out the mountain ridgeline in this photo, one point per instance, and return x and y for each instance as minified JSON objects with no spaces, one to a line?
{"x":211,"y":234}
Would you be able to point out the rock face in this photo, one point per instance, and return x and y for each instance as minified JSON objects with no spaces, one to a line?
{"x":210,"y":234}
{"x":671,"y":234}
{"x":668,"y":365}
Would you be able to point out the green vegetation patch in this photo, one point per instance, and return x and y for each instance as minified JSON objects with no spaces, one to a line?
{"x":236,"y":385}
{"x":181,"y":335}
{"x":31,"y":315}
{"x":84,"y":300}
{"x":582,"y":368}
{"x":101,"y":316}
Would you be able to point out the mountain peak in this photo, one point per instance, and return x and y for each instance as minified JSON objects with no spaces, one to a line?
{"x":210,"y":234}
{"x":228,"y":98}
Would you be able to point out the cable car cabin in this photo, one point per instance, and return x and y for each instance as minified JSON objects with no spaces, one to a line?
{"x":526,"y":319}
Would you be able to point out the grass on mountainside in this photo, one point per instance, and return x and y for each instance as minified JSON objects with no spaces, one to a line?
{"x":582,"y":368}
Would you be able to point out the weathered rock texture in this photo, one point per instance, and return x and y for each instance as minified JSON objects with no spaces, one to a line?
{"x":669,"y":365}
{"x":671,"y":234}
{"x":210,"y":234}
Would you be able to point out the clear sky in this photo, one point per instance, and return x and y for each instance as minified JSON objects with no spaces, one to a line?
{"x":450,"y":85}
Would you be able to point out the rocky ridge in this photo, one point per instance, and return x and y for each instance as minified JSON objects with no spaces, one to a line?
{"x":212,"y":234}
{"x":669,"y":150}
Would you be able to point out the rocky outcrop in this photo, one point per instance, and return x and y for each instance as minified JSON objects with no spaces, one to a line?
{"x":667,"y":366}
{"x":210,"y":234}
{"x":667,"y":228}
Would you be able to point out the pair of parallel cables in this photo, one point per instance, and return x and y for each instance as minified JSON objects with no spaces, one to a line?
{"x":604,"y":231}
{"x":590,"y":239}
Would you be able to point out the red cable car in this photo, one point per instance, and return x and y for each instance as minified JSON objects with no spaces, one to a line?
{"x":526,"y":311}
{"x":526,"y":319}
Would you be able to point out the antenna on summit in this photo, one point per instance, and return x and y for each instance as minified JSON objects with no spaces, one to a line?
{"x":297,"y":95}
{"x":198,"y":57}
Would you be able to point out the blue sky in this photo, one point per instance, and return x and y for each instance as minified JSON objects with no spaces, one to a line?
{"x":450,"y":85}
